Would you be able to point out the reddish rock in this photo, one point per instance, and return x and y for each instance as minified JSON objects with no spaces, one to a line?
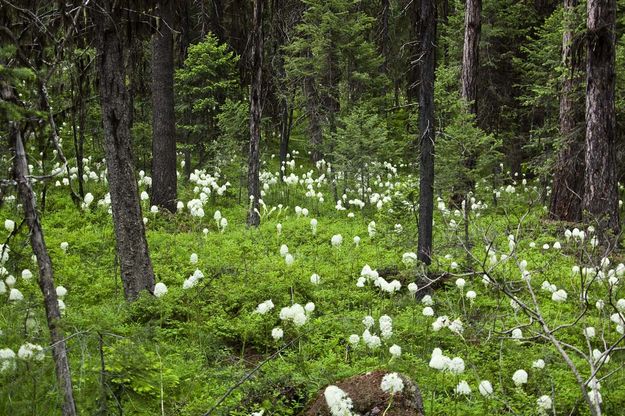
{"x":369,"y":399}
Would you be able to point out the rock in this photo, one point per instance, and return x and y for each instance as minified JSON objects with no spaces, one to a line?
{"x":369,"y":399}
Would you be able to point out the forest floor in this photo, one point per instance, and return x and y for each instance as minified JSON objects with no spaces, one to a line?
{"x":183,"y":352}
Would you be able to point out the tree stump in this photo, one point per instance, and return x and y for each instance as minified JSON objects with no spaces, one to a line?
{"x":369,"y":399}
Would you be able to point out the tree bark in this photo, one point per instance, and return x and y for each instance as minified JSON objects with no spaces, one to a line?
{"x":426,"y":128}
{"x":164,"y":180}
{"x":384,"y":35}
{"x":414,"y":59}
{"x":46,"y":276}
{"x":132,"y":246}
{"x":600,"y":181}
{"x":256,"y":109}
{"x":568,"y":177}
{"x":314,"y":119}
{"x":470,"y":53}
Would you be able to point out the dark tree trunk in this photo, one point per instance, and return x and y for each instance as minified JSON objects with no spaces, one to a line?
{"x":256,"y":110}
{"x":46,"y":276}
{"x":427,"y":40}
{"x":132,"y":246}
{"x":568,"y":176}
{"x":164,"y":180}
{"x":385,"y":41}
{"x":285,"y":133}
{"x":600,"y":181}
{"x":413,"y":77}
{"x":470,"y":53}
{"x":314,"y":119}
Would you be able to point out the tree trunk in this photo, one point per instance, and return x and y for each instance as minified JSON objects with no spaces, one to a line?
{"x":164,"y":180}
{"x":385,"y":41}
{"x":256,"y":109}
{"x":600,"y":181}
{"x":46,"y":276}
{"x":132,"y":246}
{"x":568,"y":177}
{"x":470,"y":53}
{"x":314,"y":119}
{"x":427,"y":133}
{"x":414,"y":57}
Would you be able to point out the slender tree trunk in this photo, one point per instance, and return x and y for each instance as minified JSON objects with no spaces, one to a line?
{"x":568,"y":177}
{"x":285,"y":133}
{"x":385,"y":41}
{"x":164,"y":180}
{"x":426,"y":128}
{"x":132,"y":246}
{"x":413,"y":77}
{"x":256,"y":110}
{"x":46,"y":276}
{"x":470,"y":53}
{"x":314,"y":120}
{"x":600,"y":186}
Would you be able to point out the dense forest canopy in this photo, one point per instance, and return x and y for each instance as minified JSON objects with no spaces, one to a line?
{"x":202,"y":199}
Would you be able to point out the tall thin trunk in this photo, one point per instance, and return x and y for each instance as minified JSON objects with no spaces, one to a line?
{"x":470,"y":53}
{"x":385,"y":41}
{"x":164,"y":180}
{"x":600,"y":186}
{"x":285,"y":132}
{"x":132,"y":246}
{"x":256,"y":109}
{"x":568,"y":176}
{"x":414,"y":57}
{"x":46,"y":275}
{"x":427,"y":133}
{"x":314,"y":119}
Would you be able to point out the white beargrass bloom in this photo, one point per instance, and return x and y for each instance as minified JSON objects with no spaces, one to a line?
{"x":440,"y":323}
{"x":315,"y":279}
{"x":313,"y":226}
{"x":10,"y":280}
{"x":371,"y":229}
{"x":9,"y":225}
{"x":223,"y":224}
{"x":356,"y":240}
{"x":428,"y":311}
{"x":456,"y":365}
{"x":264,"y":307}
{"x":589,"y":332}
{"x":392,"y":383}
{"x":519,"y":377}
{"x":460,"y":283}
{"x":413,"y":288}
{"x":600,"y":304}
{"x":64,"y":246}
{"x":395,"y":351}
{"x":193,"y":259}
{"x":309,"y":307}
{"x":277,"y":333}
{"x":463,"y":388}
{"x":279,"y":228}
{"x":61,"y":291}
{"x":154,"y":209}
{"x":427,"y":300}
{"x":3,"y":288}
{"x":27,"y":274}
{"x":409,"y":259}
{"x":485,"y":388}
{"x":294,"y":313}
{"x":471,"y":295}
{"x":517,"y":333}
{"x":438,"y":361}
{"x":338,"y":401}
{"x":544,"y":403}
{"x":7,"y":360}
{"x":28,"y":352}
{"x":539,"y":364}
{"x":217,"y":216}
{"x":15,"y":295}
{"x":557,"y":245}
{"x":336,"y":240}
{"x":354,"y":339}
{"x":559,"y":295}
{"x":368,"y":321}
{"x":160,"y":289}
{"x":284,"y":250}
{"x":289,"y":259}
